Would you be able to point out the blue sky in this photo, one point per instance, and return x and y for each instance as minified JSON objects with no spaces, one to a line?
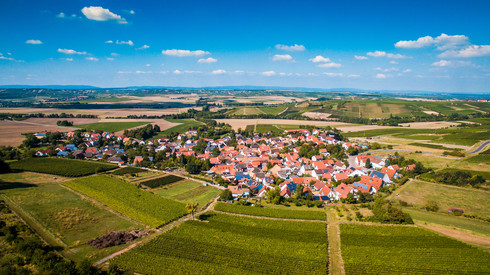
{"x":386,"y":45}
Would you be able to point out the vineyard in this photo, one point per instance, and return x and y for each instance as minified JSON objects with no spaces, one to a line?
{"x":401,"y":250}
{"x":158,"y":182}
{"x":61,"y":167}
{"x":129,"y":200}
{"x":128,"y":170}
{"x":270,"y":212}
{"x":233,"y":245}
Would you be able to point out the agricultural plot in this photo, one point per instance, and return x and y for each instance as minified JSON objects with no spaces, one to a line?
{"x":185,"y":125}
{"x":63,"y":213}
{"x":368,"y":249}
{"x":162,"y":181}
{"x":271,"y":212}
{"x":188,"y":191}
{"x":246,"y":111}
{"x":474,"y":201}
{"x":483,"y":157}
{"x":61,"y":167}
{"x":128,"y":170}
{"x":111,"y":126}
{"x":129,"y":200}
{"x":233,"y":245}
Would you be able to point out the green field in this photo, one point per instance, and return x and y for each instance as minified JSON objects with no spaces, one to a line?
{"x":449,"y":221}
{"x":233,"y":245}
{"x":128,"y":170}
{"x":129,"y":200}
{"x":185,"y":125}
{"x":474,"y":201}
{"x":271,"y":212}
{"x":246,"y":111}
{"x":483,"y":157}
{"x":111,"y":126}
{"x":274,"y":110}
{"x":64,"y":214}
{"x":188,"y":191}
{"x":61,"y":167}
{"x":161,"y":181}
{"x":368,"y":249}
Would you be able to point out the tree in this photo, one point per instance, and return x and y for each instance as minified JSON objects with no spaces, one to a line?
{"x":215,"y":152}
{"x":226,"y":195}
{"x":30,"y":141}
{"x":4,"y":167}
{"x":368,"y":163}
{"x":431,"y":205}
{"x":191,"y":208}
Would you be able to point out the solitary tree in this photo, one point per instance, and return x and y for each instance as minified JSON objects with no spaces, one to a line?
{"x":368,"y":163}
{"x":191,"y":208}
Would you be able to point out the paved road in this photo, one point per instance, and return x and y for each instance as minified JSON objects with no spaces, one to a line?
{"x":481,"y":147}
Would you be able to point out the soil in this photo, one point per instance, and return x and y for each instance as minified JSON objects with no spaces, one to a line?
{"x":116,"y":238}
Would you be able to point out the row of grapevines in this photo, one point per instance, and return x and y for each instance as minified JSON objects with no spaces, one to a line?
{"x":61,"y":167}
{"x":271,"y":212}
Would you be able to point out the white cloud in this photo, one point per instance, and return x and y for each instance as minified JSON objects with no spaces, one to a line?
{"x":184,"y":53}
{"x":415,"y":44}
{"x":442,"y":63}
{"x":377,"y":54}
{"x":132,"y":12}
{"x":68,"y":51}
{"x":329,"y":65}
{"x":319,"y":59}
{"x":101,"y":14}
{"x":129,"y":42}
{"x":293,"y":48}
{"x":470,"y":51}
{"x":443,"y":42}
{"x":333,"y":74}
{"x":185,"y":72}
{"x":143,"y":72}
{"x":109,"y":42}
{"x":360,"y":57}
{"x":34,"y":41}
{"x":207,"y":60}
{"x":268,"y":73}
{"x":90,"y":58}
{"x":115,"y":54}
{"x":110,"y":58}
{"x":282,"y":57}
{"x":407,"y":71}
{"x":392,"y":69}
{"x":68,"y":59}
{"x":393,"y":62}
{"x":148,"y":65}
{"x":61,"y":15}
{"x":144,"y":47}
{"x":285,"y":74}
{"x":218,"y":71}
{"x":380,"y":76}
{"x":384,"y":54}
{"x":353,"y":75}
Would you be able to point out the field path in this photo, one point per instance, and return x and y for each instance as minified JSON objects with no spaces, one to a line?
{"x":266,"y":218}
{"x":283,"y":111}
{"x":335,"y":263}
{"x":459,"y":235}
{"x":481,"y":147}
{"x":160,"y":231}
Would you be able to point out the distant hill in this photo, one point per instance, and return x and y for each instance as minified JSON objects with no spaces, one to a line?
{"x":74,"y":87}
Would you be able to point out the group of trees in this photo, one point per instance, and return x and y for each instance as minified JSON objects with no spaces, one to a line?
{"x":458,"y":178}
{"x":143,"y":133}
{"x":64,"y":123}
{"x":385,"y":212}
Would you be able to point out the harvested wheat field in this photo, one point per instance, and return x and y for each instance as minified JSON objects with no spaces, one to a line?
{"x":315,"y":115}
{"x":429,"y":125}
{"x":242,"y":123}
{"x":11,"y":131}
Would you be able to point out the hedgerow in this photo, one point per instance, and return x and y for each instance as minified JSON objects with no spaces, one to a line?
{"x":129,"y":200}
{"x":61,"y":167}
{"x":233,"y":245}
{"x":158,"y":182}
{"x":270,"y":212}
{"x":368,"y":249}
{"x":128,"y":170}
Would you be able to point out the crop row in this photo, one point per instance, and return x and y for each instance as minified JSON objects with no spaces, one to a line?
{"x":233,"y":245}
{"x":395,"y":249}
{"x":129,"y":200}
{"x":270,"y":212}
{"x":128,"y":170}
{"x":158,"y":182}
{"x":61,"y":167}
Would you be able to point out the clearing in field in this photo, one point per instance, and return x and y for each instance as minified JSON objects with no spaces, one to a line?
{"x":61,"y":167}
{"x":189,"y":191}
{"x":270,"y":212}
{"x":64,"y":214}
{"x":370,"y":249}
{"x":11,"y":131}
{"x":241,"y":123}
{"x":227,"y":244}
{"x":472,"y":201}
{"x":184,"y":126}
{"x":129,"y":200}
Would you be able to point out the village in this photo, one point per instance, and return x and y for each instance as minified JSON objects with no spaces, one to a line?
{"x":296,"y":160}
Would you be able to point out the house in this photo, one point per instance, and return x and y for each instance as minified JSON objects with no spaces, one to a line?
{"x":375,"y":183}
{"x":380,"y":175}
{"x":390,"y":172}
{"x":285,"y":191}
{"x":343,"y":190}
{"x":239,"y":191}
{"x":137,"y":160}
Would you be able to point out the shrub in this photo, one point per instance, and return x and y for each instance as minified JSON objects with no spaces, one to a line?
{"x":431,"y":205}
